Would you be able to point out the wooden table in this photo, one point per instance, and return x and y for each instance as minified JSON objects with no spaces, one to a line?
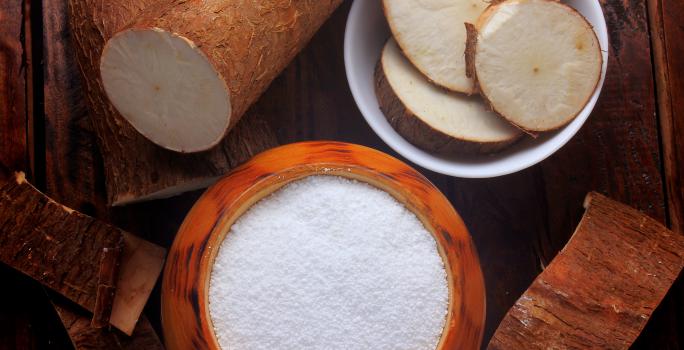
{"x":626,"y":150}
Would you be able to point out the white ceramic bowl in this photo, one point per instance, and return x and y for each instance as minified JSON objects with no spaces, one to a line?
{"x":365,"y":35}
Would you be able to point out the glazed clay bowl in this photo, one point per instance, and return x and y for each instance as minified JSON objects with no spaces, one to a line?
{"x":185,"y":308}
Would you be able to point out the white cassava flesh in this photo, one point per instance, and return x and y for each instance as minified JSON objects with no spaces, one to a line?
{"x":433,"y":118}
{"x":537,"y":62}
{"x":431,"y":34}
{"x":166,"y":88}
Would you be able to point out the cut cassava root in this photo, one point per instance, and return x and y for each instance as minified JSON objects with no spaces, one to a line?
{"x":536,"y":62}
{"x":431,"y":35}
{"x":135,"y":168}
{"x":184,"y":72}
{"x":163,"y":85}
{"x":431,"y":117}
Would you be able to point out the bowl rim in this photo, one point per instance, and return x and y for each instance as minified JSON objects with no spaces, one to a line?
{"x":485,"y":165}
{"x":186,"y":319}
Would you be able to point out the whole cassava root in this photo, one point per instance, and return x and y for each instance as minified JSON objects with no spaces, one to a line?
{"x":135,"y":168}
{"x":184,"y":72}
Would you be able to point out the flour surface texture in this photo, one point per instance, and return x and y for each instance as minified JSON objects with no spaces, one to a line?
{"x":328,"y":263}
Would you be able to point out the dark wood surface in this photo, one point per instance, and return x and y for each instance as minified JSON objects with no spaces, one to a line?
{"x":668,"y":55}
{"x":518,"y":222}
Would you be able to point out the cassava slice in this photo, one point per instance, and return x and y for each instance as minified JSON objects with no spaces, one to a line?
{"x":184,"y":72}
{"x":432,"y":36}
{"x":536,"y":62}
{"x":431,"y":117}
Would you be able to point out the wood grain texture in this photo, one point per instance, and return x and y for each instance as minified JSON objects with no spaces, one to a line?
{"x":616,"y":152}
{"x":518,"y":222}
{"x":185,"y":315}
{"x":664,"y":331}
{"x":60,"y":248}
{"x":23,"y":325}
{"x":73,"y":168}
{"x":601,"y":289}
{"x":135,"y":168}
{"x":13,"y":116}
{"x":668,"y":56}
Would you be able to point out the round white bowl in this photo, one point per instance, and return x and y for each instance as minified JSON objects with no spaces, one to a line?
{"x":366,"y":34}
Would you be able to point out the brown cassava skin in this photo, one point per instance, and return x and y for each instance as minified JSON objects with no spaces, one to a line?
{"x":135,"y":167}
{"x":601,"y":289}
{"x":66,"y":251}
{"x":472,"y":32}
{"x":248,"y":43}
{"x":83,"y":336}
{"x":418,"y":132}
{"x":107,"y":271}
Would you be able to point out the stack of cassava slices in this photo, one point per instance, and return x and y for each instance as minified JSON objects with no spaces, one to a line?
{"x":534,"y":63}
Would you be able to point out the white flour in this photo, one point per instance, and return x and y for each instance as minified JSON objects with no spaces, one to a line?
{"x":328,"y":263}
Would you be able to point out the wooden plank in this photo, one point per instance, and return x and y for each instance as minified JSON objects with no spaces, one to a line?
{"x":13,"y":116}
{"x":73,"y":168}
{"x":616,"y":152}
{"x":600,"y":290}
{"x":20,"y":316}
{"x":664,"y":331}
{"x":668,"y":56}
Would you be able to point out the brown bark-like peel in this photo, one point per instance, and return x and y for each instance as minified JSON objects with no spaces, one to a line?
{"x":601,"y":289}
{"x":64,"y":250}
{"x":103,"y":269}
{"x":106,"y":287}
{"x":84,"y":337}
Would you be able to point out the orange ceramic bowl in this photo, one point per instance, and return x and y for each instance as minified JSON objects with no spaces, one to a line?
{"x":185,"y":311}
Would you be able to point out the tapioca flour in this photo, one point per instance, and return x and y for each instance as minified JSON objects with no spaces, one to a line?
{"x":328,"y":263}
